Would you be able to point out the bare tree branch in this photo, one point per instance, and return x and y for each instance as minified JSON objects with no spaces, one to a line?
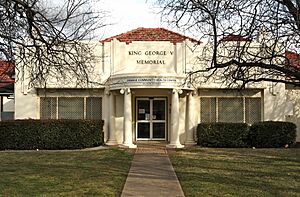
{"x":248,"y":38}
{"x":47,"y":37}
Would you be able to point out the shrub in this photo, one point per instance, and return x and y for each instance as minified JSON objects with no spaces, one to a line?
{"x":272,"y":134}
{"x":222,"y":134}
{"x":50,"y":134}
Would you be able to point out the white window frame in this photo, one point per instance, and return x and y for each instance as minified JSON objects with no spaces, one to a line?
{"x":231,"y":97}
{"x":84,"y":104}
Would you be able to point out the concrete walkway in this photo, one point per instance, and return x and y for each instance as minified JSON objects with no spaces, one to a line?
{"x":151,"y":173}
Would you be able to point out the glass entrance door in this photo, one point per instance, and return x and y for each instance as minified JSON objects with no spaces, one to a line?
{"x":151,"y":118}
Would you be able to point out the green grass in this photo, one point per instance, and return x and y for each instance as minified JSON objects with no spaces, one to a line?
{"x":63,"y":173}
{"x":238,"y":172}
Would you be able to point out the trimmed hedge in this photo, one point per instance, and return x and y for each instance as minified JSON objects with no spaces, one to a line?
{"x":222,"y":134}
{"x":268,"y":134}
{"x":271,"y":134}
{"x":50,"y":134}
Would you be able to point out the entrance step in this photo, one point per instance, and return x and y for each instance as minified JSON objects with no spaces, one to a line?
{"x":154,"y":147}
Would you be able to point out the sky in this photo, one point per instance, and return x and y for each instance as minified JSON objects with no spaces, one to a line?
{"x":127,"y":15}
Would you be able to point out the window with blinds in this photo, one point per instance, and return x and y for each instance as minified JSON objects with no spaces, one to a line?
{"x":94,"y":108}
{"x":71,"y":108}
{"x":252,"y":110}
{"x":239,"y":109}
{"x":230,"y":110}
{"x":208,"y":110}
{"x":48,"y":108}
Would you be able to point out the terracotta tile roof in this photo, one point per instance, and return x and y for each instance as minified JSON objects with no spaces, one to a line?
{"x":150,"y":34}
{"x":293,"y":59}
{"x":7,"y":69}
{"x":235,"y":38}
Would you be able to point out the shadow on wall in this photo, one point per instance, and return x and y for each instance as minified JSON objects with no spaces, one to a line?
{"x":119,"y":118}
{"x":293,"y":96}
{"x":276,"y":104}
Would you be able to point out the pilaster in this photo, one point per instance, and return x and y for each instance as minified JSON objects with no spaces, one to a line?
{"x":190,"y":120}
{"x":127,"y":143}
{"x":174,"y":134}
{"x":112,"y":133}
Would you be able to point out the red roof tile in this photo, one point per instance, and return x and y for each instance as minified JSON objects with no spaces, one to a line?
{"x":150,"y":34}
{"x":293,"y":58}
{"x":235,"y":38}
{"x":7,"y":69}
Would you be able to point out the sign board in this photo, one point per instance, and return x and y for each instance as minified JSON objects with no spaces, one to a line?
{"x":149,"y":81}
{"x":149,"y":57}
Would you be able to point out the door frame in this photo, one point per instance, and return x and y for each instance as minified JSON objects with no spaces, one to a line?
{"x":151,"y":121}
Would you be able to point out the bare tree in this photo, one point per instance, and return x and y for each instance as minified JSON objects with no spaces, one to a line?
{"x":249,"y":40}
{"x":46,"y":37}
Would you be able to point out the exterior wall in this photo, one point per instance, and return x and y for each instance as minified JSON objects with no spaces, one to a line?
{"x":26,"y":96}
{"x":128,"y":67}
{"x":276,"y":106}
{"x":126,"y":63}
{"x":293,"y":98}
{"x":129,"y":64}
{"x":26,"y":104}
{"x":153,"y":69}
{"x":96,"y":73}
{"x":131,"y":58}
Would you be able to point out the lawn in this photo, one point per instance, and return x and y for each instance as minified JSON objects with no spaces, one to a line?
{"x":63,"y":173}
{"x":238,"y":172}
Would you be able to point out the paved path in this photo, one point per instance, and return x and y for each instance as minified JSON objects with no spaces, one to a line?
{"x":151,"y":173}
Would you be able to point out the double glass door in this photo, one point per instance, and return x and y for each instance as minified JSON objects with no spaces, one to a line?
{"x":151,"y":118}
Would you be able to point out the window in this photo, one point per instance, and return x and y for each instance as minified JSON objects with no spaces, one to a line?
{"x":238,"y":109}
{"x":252,"y":110}
{"x":230,"y":110}
{"x":48,"y":108}
{"x":208,"y":110}
{"x":93,"y":108}
{"x":71,"y":108}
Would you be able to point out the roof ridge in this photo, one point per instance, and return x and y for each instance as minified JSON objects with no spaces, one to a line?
{"x":176,"y":33}
{"x":115,"y":36}
{"x":137,"y":35}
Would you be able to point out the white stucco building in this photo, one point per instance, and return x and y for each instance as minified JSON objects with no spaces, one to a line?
{"x":142,"y":93}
